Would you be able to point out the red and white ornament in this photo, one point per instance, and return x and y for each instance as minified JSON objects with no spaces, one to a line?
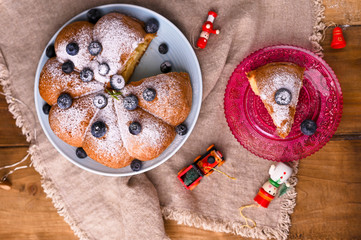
{"x":279,"y":175}
{"x":207,"y":29}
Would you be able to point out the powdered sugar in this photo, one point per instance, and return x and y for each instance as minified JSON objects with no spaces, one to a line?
{"x":80,"y":33}
{"x":94,"y":65}
{"x":110,"y":145}
{"x":117,"y":82}
{"x":119,"y":37}
{"x":279,"y":77}
{"x":173,"y":96}
{"x":53,"y":82}
{"x":70,"y":124}
{"x":151,"y":141}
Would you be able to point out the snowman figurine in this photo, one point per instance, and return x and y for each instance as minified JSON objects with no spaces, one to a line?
{"x":279,"y":175}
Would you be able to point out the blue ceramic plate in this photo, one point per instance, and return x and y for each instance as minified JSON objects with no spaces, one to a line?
{"x":180,"y":54}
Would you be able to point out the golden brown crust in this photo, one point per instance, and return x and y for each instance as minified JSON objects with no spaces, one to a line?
{"x":102,"y":155}
{"x":53,"y":81}
{"x":123,"y":41}
{"x":70,"y":124}
{"x":81,"y":33}
{"x":173,"y":100}
{"x":108,"y":150}
{"x":154,"y":137}
{"x":135,"y":57}
{"x":266,"y":80}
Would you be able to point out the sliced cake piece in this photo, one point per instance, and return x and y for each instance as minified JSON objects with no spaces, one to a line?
{"x":278,"y":85}
{"x":108,"y":149}
{"x":145,"y":137}
{"x":123,"y":41}
{"x":166,"y":96}
{"x":53,"y":82}
{"x":70,"y":122}
{"x":72,"y":44}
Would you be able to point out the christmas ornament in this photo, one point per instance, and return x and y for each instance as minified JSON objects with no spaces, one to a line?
{"x":202,"y":166}
{"x":279,"y":175}
{"x":338,"y":41}
{"x":207,"y":29}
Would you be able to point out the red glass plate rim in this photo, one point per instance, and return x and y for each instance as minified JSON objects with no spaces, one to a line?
{"x":334,"y":77}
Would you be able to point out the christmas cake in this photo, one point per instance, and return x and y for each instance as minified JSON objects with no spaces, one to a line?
{"x":278,"y":85}
{"x":94,"y":108}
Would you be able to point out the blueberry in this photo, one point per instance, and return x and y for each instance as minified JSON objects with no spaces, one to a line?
{"x":98,"y":129}
{"x":86,"y":75}
{"x":130,"y":102}
{"x":211,"y":160}
{"x":100,"y":101}
{"x":46,"y":108}
{"x":95,"y":48}
{"x":93,"y":15}
{"x":72,"y":49}
{"x":80,"y":153}
{"x":181,"y":129}
{"x":151,"y":26}
{"x":136,"y":165}
{"x":149,"y":94}
{"x":166,"y":67}
{"x":64,"y":101}
{"x":117,"y":82}
{"x":103,"y":69}
{"x":163,"y":48}
{"x":50,"y":51}
{"x":68,"y":67}
{"x":135,"y":128}
{"x":283,"y":96}
{"x":308,"y":127}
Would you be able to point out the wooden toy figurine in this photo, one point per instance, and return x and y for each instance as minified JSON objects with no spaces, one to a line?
{"x":279,"y":175}
{"x":207,"y":29}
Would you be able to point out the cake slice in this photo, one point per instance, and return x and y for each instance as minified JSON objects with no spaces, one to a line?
{"x":108,"y":150}
{"x":278,"y":85}
{"x":166,"y":96}
{"x":145,"y":136}
{"x":123,"y":40}
{"x":70,"y":124}
{"x":53,"y":82}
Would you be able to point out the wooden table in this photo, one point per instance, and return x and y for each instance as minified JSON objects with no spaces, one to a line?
{"x":328,"y":201}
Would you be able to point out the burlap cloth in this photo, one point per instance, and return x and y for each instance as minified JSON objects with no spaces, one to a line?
{"x":98,"y":207}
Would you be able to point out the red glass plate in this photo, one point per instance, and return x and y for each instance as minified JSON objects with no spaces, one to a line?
{"x":320,"y":100}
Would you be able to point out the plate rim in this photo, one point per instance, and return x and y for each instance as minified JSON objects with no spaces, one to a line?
{"x":37,"y":97}
{"x":318,"y":58}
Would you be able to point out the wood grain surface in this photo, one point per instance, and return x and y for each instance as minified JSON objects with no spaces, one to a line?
{"x":328,"y":201}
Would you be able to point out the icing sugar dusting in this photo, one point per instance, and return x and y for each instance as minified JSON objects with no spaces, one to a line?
{"x":279,"y":77}
{"x":110,"y":147}
{"x":72,"y":82}
{"x":79,"y":33}
{"x":151,"y":141}
{"x":119,"y":37}
{"x":173,"y":96}
{"x":70,"y":124}
{"x":53,"y":82}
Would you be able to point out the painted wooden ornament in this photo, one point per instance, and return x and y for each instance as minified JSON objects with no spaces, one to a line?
{"x":279,"y":175}
{"x":338,"y":41}
{"x":207,"y":29}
